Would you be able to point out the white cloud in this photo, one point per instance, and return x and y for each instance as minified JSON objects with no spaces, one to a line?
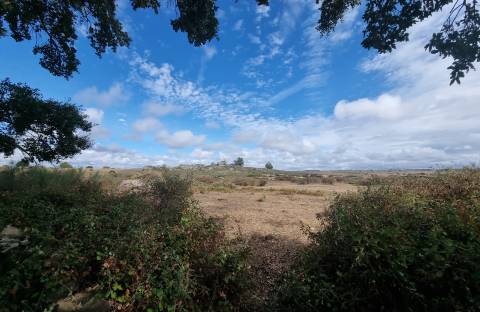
{"x":346,"y":28}
{"x":417,"y":122}
{"x":238,"y":25}
{"x":179,"y":139}
{"x":146,"y":124}
{"x":262,"y":12}
{"x":384,"y":107}
{"x":162,"y":109}
{"x":92,"y":96}
{"x":209,"y":52}
{"x":254,"y":39}
{"x":94,"y":115}
{"x":212,"y":125}
{"x":202,"y":154}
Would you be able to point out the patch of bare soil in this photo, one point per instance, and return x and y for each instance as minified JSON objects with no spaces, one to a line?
{"x":263,"y":213}
{"x":271,"y":220}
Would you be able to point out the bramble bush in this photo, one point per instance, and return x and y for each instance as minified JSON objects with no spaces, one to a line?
{"x":75,"y":235}
{"x":408,"y":244}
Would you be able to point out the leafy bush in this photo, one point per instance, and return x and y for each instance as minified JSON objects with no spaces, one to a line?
{"x":75,"y":236}
{"x":269,"y":165}
{"x":65,"y":165}
{"x":409,"y":244}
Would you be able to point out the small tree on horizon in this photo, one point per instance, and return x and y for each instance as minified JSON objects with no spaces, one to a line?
{"x":65,"y":165}
{"x":269,"y":165}
{"x":239,"y":162}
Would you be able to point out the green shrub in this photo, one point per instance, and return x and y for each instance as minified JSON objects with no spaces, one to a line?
{"x":65,"y":165}
{"x":269,"y":165}
{"x":410,"y":244}
{"x":75,"y":236}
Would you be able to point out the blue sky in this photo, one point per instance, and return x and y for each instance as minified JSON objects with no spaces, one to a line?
{"x":270,"y":89}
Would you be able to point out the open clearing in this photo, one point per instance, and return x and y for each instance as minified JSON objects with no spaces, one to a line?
{"x":270,"y":218}
{"x":278,"y":209}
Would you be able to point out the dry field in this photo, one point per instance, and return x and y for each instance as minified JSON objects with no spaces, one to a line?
{"x":271,"y":219}
{"x":269,"y":210}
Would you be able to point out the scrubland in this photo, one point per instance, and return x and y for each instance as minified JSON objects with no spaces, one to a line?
{"x":239,"y":239}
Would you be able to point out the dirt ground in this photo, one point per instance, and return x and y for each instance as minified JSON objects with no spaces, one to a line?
{"x":270,"y":218}
{"x":277,"y":209}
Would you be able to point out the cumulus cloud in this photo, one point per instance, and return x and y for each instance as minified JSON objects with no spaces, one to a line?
{"x":417,"y":122}
{"x":384,"y":107}
{"x":95,"y":116}
{"x":179,"y":139}
{"x":116,"y":94}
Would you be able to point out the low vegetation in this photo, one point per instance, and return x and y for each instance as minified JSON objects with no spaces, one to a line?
{"x":152,"y":250}
{"x":403,"y":244}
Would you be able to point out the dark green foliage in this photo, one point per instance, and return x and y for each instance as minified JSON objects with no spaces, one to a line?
{"x":410,"y":244}
{"x":42,"y":129}
{"x":269,"y":165}
{"x":459,"y":39}
{"x":387,"y":23}
{"x":239,"y":162}
{"x":57,"y":21}
{"x":76,"y":236}
{"x":197,"y":19}
{"x":22,"y":164}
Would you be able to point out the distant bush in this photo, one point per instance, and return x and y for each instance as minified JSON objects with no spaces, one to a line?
{"x":408,"y":244}
{"x":65,"y":165}
{"x":22,"y":164}
{"x":206,"y":179}
{"x":239,"y":162}
{"x":159,"y":253}
{"x":269,"y":165}
{"x":249,"y":182}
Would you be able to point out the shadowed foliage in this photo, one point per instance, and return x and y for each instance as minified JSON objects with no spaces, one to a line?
{"x":58,"y":21}
{"x":387,"y":23}
{"x":42,"y":129}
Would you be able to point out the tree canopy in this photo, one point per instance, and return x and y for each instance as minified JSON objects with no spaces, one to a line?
{"x":42,"y":129}
{"x":58,"y":20}
{"x":386,"y":24}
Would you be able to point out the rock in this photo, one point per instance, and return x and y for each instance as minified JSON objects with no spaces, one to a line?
{"x":84,"y":301}
{"x":11,"y":237}
{"x":11,"y":232}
